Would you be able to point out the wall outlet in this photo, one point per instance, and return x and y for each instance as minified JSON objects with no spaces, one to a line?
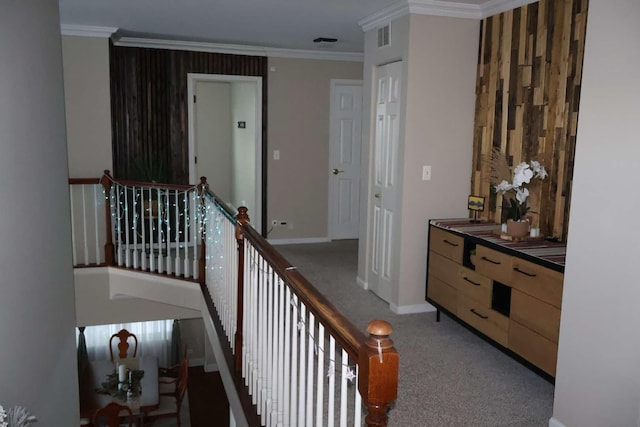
{"x":426,"y":173}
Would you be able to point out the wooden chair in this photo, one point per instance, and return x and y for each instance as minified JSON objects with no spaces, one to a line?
{"x":110,"y":416}
{"x":171,"y":401}
{"x":123,"y":344}
{"x":168,"y":377}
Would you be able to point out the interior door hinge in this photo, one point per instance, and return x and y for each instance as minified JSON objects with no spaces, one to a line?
{"x":194,"y":99}
{"x":196,"y":159}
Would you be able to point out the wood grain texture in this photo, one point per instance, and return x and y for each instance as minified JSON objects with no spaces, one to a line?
{"x":528,"y":94}
{"x":149,"y":110}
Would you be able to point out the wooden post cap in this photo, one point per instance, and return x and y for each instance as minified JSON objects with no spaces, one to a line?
{"x":203,"y":180}
{"x":379,"y":331}
{"x":379,"y":328}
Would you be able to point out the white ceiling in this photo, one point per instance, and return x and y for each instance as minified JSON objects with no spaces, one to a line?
{"x":286,"y":24}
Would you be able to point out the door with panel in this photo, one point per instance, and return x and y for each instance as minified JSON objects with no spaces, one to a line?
{"x":385,"y":178}
{"x":344,"y":159}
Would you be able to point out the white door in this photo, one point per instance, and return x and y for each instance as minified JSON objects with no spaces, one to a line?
{"x":385,"y":177}
{"x":344,"y":159}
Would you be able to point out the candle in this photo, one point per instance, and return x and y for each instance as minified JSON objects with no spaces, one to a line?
{"x":122,"y":373}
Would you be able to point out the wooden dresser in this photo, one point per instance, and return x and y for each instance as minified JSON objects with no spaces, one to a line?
{"x":510,"y":292}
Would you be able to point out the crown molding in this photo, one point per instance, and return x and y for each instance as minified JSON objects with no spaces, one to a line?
{"x":494,"y":7}
{"x":236,"y":49}
{"x":439,"y":8}
{"x":87,"y":31}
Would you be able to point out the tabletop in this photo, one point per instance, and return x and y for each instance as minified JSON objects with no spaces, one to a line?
{"x":96,"y":373}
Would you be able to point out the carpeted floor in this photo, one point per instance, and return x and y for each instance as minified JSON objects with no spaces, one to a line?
{"x":448,"y":375}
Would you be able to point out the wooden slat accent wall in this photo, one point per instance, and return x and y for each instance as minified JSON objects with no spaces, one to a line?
{"x":149,"y":110}
{"x":528,"y":93}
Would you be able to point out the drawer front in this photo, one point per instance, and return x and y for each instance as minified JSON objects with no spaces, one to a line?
{"x":489,"y":322}
{"x":443,"y":268}
{"x":538,"y":281}
{"x":442,"y":294}
{"x":533,"y":347}
{"x":536,"y":315}
{"x":474,"y":286}
{"x":493,"y":264}
{"x":446,"y":244}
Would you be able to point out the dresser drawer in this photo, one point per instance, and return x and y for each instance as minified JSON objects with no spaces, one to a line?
{"x":533,"y":347}
{"x":538,"y":281}
{"x":493,"y":264}
{"x":443,"y":294}
{"x":489,"y":322}
{"x":536,"y":315}
{"x":443,"y":268}
{"x":474,"y":286}
{"x":445,"y":243}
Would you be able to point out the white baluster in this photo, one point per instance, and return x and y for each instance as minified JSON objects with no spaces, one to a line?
{"x":332,"y":382}
{"x":344,"y":359}
{"x":357,"y":416}
{"x":311,"y":349}
{"x":320,"y":376}
{"x":84,"y":225}
{"x":303,"y":358}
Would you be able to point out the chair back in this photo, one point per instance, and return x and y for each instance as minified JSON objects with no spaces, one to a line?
{"x":110,"y":415}
{"x":123,"y":345}
{"x":183,"y":378}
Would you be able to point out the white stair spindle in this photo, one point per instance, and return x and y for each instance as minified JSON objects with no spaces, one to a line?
{"x":320,"y":376}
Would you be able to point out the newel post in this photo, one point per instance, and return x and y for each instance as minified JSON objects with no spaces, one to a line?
{"x":242,"y":218}
{"x":109,"y":250}
{"x":378,"y":374}
{"x":202,"y":260}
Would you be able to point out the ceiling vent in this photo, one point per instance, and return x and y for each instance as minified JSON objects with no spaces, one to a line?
{"x":384,"y":35}
{"x":325,"y":41}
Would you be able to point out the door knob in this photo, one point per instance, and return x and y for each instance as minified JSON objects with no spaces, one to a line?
{"x":336,"y":171}
{"x":377,"y":195}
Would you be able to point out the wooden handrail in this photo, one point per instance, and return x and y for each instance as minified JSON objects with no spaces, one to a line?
{"x":375,"y":354}
{"x":341,"y":328}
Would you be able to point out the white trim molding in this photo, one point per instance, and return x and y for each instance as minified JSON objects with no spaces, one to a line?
{"x":362,"y":283}
{"x":553,"y":422}
{"x":236,"y":49}
{"x":439,"y":8}
{"x":411,"y":309}
{"x":87,"y":31}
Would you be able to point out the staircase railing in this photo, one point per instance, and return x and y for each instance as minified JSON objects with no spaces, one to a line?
{"x":297,"y":360}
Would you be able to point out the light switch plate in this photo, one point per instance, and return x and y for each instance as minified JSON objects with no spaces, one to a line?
{"x":426,"y":173}
{"x":276,"y":154}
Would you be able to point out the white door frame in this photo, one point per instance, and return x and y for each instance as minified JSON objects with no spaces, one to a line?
{"x":332,"y":196}
{"x":192,"y":79}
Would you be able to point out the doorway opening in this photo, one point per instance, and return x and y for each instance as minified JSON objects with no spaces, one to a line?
{"x":225,"y":138}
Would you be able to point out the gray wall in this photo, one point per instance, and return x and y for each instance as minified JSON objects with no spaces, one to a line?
{"x":598,"y":376}
{"x":37,"y":312}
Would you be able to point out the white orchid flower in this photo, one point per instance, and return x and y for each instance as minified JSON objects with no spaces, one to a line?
{"x":503,"y":187}
{"x":521,"y":195}
{"x":522,"y":174}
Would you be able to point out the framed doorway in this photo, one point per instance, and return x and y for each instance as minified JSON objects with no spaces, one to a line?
{"x":225,"y":138}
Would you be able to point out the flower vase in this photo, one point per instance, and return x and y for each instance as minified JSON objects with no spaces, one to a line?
{"x":517,"y":228}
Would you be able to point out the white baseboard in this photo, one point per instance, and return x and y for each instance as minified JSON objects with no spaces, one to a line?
{"x":211,"y":367}
{"x":411,"y":309}
{"x":553,"y":422}
{"x":364,"y":285}
{"x":303,"y":240}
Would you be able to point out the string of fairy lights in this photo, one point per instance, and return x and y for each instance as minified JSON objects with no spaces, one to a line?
{"x":125,"y":204}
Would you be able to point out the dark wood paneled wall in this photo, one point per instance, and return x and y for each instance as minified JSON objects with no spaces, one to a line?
{"x":149,"y":109}
{"x":528,"y":93}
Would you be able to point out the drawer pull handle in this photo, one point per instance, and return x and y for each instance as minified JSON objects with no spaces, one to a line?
{"x":478,"y":314}
{"x":450,"y":243}
{"x":471,"y":281}
{"x":524,"y":272}
{"x":490,"y":260}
